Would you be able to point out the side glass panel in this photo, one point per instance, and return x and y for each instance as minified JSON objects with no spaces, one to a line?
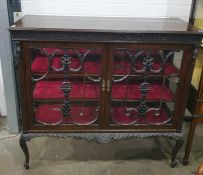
{"x":197,"y":72}
{"x":66,"y":85}
{"x":144,"y":84}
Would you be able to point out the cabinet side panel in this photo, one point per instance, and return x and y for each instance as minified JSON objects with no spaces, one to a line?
{"x":186,"y":75}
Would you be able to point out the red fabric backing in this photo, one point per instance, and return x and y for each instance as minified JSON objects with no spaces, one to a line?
{"x":51,"y":114}
{"x":40,"y":65}
{"x":133,"y":92}
{"x":118,"y":116}
{"x":51,"y":89}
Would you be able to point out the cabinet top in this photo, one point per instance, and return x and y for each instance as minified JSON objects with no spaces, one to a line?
{"x":103,"y":24}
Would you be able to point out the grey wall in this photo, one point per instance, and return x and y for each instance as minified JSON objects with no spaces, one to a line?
{"x":3,"y":110}
{"x":7,"y":69}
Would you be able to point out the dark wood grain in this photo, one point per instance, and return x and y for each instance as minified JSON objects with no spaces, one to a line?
{"x":105,"y":97}
{"x":107,"y":34}
{"x":103,"y":24}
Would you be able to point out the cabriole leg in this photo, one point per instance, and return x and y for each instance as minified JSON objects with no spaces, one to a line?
{"x":193,"y":126}
{"x":24,"y":147}
{"x":178,"y":145}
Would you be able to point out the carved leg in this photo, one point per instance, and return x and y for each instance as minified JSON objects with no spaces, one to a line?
{"x":23,"y":145}
{"x":179,"y":143}
{"x":189,"y":140}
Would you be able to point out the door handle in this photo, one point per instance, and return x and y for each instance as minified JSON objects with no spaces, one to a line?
{"x":103,"y":85}
{"x":108,"y":86}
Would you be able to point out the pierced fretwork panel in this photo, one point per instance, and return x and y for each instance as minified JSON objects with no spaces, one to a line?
{"x":66,"y":85}
{"x":144,"y":85}
{"x":46,"y":61}
{"x":72,"y":101}
{"x":67,"y":113}
{"x":133,"y":61}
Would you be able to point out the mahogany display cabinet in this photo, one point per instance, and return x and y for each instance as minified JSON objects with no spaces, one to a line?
{"x":103,"y":79}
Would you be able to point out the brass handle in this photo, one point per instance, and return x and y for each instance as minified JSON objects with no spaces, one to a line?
{"x":103,"y":85}
{"x":108,"y":86}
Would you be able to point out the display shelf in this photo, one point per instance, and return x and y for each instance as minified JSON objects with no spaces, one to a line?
{"x":120,"y":115}
{"x":123,"y":68}
{"x":40,"y":64}
{"x":51,"y":114}
{"x":132,"y":91}
{"x":51,"y":90}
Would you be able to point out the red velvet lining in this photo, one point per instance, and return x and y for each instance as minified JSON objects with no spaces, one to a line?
{"x":89,"y":115}
{"x":118,"y":116}
{"x":40,"y":65}
{"x":51,"y":114}
{"x":51,"y":89}
{"x":156,"y":92}
{"x":123,"y":67}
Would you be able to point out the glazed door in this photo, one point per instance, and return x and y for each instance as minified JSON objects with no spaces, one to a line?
{"x":147,"y":84}
{"x":63,"y":85}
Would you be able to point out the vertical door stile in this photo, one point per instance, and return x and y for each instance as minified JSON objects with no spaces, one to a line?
{"x":28,"y":84}
{"x":103,"y":87}
{"x":23,"y":80}
{"x":108,"y":78}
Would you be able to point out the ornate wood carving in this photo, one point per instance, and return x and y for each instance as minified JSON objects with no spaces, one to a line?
{"x":106,"y":37}
{"x":102,"y":130}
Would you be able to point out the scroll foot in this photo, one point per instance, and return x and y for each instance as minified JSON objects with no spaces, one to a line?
{"x":24,"y":148}
{"x":178,"y":145}
{"x":185,"y":161}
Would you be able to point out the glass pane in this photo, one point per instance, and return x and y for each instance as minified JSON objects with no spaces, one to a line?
{"x":198,"y":69}
{"x":66,"y":85}
{"x":60,"y":60}
{"x":144,"y":85}
{"x":55,"y":114}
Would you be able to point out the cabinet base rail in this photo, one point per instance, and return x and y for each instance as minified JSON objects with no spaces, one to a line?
{"x":102,"y":138}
